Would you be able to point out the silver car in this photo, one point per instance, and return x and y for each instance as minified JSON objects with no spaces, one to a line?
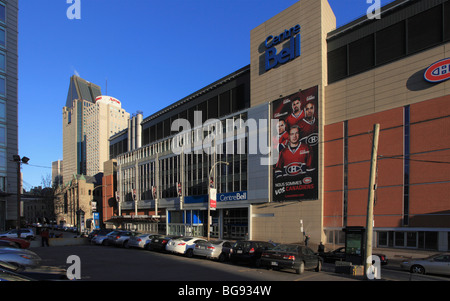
{"x":25,"y":233}
{"x":21,"y":258}
{"x":216,"y":249}
{"x":141,"y":241}
{"x":435,"y":264}
{"x":100,"y":239}
{"x":120,"y":238}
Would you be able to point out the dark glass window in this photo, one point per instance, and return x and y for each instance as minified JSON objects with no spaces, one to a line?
{"x":390,"y":43}
{"x":425,"y":29}
{"x":225,"y":103}
{"x":146,"y":136}
{"x":213,"y":107}
{"x":406,"y":165}
{"x":361,"y":53}
{"x":166,"y":128}
{"x":447,"y":21}
{"x":2,"y":13}
{"x":203,"y":107}
{"x":2,"y":37}
{"x":337,"y":64}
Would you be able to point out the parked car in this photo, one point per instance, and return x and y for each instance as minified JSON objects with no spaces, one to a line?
{"x":98,"y":232}
{"x":435,"y":264}
{"x":100,"y":239}
{"x":18,"y":242}
{"x":183,"y":245}
{"x":216,"y":249}
{"x":20,"y":257}
{"x":7,"y":244}
{"x":339,"y":255}
{"x":249,"y":251}
{"x":120,"y":238}
{"x":8,"y":272}
{"x":159,"y":243}
{"x":141,"y":241}
{"x":291,"y":256}
{"x":26,"y":233}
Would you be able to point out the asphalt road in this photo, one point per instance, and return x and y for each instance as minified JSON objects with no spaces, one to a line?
{"x":100,"y":263}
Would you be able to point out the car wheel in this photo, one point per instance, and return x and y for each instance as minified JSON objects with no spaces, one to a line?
{"x":418,"y":269}
{"x":258,"y":262}
{"x":125,"y":244}
{"x":301,"y":268}
{"x":222,"y":257}
{"x":319,"y":266}
{"x":189,"y":253}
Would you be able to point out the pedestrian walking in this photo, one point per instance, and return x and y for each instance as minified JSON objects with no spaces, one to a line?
{"x":44,"y":237}
{"x":306,"y":240}
{"x":321,"y":248}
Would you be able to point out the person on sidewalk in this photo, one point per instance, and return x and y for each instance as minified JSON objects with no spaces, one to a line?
{"x":44,"y":237}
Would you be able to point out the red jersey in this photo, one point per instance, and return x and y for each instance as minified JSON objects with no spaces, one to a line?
{"x":307,"y":127}
{"x":294,"y":161}
{"x":295,"y":119}
{"x":283,"y":139}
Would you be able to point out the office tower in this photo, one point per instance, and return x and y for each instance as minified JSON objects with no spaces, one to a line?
{"x":8,"y":112}
{"x":89,"y":119}
{"x":103,"y":119}
{"x":57,"y":167}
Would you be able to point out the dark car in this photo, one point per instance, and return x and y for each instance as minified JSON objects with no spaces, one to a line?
{"x":159,"y":243}
{"x":291,"y":256}
{"x":339,"y":255}
{"x":249,"y":251}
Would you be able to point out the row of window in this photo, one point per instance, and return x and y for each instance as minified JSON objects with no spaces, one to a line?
{"x":165,"y":175}
{"x":3,"y":156}
{"x":419,"y":32}
{"x":218,"y":106}
{"x":427,"y":240}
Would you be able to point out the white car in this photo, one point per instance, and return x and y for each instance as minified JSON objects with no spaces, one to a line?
{"x":24,"y":233}
{"x":183,"y":245}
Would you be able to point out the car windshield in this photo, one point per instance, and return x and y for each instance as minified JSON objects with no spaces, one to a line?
{"x":286,"y":248}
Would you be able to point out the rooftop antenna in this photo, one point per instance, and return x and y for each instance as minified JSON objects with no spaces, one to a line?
{"x":106,"y":86}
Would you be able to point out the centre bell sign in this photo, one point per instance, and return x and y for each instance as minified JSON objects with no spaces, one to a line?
{"x":272,"y":58}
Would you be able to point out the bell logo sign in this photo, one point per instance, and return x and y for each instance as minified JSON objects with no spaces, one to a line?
{"x":438,"y":72}
{"x":273,"y":58}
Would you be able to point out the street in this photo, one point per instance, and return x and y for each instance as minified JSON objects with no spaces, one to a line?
{"x":100,"y":263}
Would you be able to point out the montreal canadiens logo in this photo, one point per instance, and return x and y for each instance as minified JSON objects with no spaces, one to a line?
{"x":313,"y":139}
{"x":438,"y":71}
{"x":294,"y":169}
{"x":307,"y":180}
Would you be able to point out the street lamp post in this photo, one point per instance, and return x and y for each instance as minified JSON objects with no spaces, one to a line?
{"x":209,"y":193}
{"x":18,"y":160}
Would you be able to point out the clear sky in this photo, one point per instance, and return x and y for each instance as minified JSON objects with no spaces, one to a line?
{"x":150,"y":53}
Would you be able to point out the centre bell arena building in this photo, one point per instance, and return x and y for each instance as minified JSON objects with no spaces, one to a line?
{"x":306,"y":172}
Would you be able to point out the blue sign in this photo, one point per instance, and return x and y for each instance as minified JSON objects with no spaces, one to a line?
{"x":195,"y":199}
{"x":232,"y":196}
{"x":286,"y":54}
{"x":96,"y":220}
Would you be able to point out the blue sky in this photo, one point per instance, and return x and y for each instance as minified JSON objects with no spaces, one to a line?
{"x":150,"y":53}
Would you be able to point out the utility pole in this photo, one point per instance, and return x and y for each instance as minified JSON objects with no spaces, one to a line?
{"x":372,"y":188}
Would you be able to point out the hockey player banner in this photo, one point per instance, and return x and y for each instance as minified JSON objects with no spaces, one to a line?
{"x":295,"y":175}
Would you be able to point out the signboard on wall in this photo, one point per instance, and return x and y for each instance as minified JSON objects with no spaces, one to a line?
{"x":295,"y":175}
